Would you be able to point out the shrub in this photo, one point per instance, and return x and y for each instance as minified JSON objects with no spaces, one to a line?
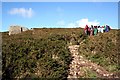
{"x":22,"y":55}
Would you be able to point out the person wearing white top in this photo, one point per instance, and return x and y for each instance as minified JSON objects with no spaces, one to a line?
{"x":99,"y":29}
{"x":102,"y":29}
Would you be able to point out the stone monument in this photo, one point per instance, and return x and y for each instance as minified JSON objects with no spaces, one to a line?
{"x":15,"y":29}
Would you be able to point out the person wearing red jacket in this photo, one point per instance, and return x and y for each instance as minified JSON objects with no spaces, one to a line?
{"x":87,"y":30}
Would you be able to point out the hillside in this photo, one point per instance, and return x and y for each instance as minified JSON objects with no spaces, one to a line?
{"x":44,"y":53}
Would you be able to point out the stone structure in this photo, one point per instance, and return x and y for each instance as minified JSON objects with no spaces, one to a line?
{"x":16,"y":29}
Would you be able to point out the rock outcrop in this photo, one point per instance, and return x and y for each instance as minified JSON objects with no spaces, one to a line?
{"x":16,"y":29}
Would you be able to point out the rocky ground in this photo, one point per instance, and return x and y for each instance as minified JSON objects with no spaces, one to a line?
{"x":80,"y":62}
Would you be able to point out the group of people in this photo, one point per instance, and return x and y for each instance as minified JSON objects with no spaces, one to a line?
{"x":93,"y":30}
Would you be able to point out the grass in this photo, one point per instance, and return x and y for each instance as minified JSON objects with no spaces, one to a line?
{"x":31,"y":52}
{"x":88,"y":73}
{"x":102,"y":49}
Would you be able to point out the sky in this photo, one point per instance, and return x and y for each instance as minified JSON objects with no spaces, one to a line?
{"x":59,"y":14}
{"x":60,"y":0}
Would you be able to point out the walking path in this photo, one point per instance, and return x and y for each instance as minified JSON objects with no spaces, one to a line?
{"x":79,"y":61}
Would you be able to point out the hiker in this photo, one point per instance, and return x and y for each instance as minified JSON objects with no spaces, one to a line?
{"x":99,"y":29}
{"x":86,"y":30}
{"x":91,"y":30}
{"x":102,"y":29}
{"x":95,"y":30}
{"x":107,"y":28}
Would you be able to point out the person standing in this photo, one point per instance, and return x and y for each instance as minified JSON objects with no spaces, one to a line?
{"x":99,"y":29}
{"x":102,"y":29}
{"x":95,"y":30}
{"x":86,"y":29}
{"x":89,"y":30}
{"x":107,"y":28}
{"x":92,"y":30}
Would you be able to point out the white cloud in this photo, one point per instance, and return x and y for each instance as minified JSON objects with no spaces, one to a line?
{"x":22,"y":11}
{"x":61,"y":23}
{"x":82,"y":22}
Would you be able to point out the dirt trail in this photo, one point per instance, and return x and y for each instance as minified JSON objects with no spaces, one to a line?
{"x":79,"y":61}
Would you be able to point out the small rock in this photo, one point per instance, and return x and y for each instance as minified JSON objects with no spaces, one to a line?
{"x":98,"y":70}
{"x":82,"y":62}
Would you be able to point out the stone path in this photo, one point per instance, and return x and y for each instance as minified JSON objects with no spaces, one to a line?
{"x":79,"y":61}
